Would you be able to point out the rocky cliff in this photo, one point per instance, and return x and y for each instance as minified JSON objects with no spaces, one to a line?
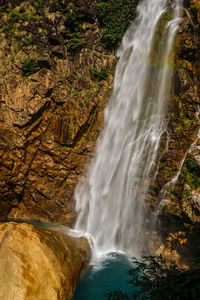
{"x":55,"y":79}
{"x":57,"y":64}
{"x":176,"y":190}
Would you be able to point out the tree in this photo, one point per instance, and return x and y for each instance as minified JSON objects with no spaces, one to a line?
{"x":157,"y":279}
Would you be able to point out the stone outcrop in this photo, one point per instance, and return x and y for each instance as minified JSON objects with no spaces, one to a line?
{"x":51,"y":106}
{"x":38,"y":263}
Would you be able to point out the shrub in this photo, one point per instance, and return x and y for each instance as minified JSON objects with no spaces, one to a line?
{"x":75,"y":43}
{"x":158,"y":280}
{"x":14,"y":16}
{"x":100,"y":75}
{"x":29,"y":67}
{"x":38,"y":3}
{"x":192,"y":173}
{"x":115,"y":16}
{"x":74,"y":19}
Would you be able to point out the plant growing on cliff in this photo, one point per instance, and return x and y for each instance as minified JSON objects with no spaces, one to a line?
{"x":100,"y":74}
{"x":156,"y":279}
{"x":114,"y":17}
{"x":192,"y":173}
{"x":76,"y":18}
{"x":13,"y":18}
{"x":75,"y":43}
{"x":38,"y":3}
{"x":29,"y":67}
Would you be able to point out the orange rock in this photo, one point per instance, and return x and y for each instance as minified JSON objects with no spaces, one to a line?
{"x":38,"y":263}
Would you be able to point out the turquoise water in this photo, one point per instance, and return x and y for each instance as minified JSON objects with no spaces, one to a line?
{"x":109,"y":272}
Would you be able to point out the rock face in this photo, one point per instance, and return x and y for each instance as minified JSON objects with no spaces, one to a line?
{"x":51,"y":106}
{"x":55,"y":80}
{"x":179,"y":208}
{"x":39,"y":263}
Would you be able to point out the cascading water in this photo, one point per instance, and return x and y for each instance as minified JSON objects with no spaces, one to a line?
{"x":111,"y":204}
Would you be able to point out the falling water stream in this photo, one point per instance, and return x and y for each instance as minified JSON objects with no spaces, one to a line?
{"x":111,"y":204}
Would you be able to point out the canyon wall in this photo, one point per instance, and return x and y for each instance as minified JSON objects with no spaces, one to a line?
{"x":175,"y":194}
{"x":56,"y":77}
{"x":57,"y":65}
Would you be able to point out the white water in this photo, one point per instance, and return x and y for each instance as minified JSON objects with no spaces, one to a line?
{"x":111,"y":204}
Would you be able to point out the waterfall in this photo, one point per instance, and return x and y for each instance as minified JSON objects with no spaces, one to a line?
{"x":111,"y":205}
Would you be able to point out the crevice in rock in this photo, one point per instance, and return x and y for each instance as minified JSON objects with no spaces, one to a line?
{"x":36,"y":126}
{"x":84,"y":128}
{"x":35,"y":116}
{"x":33,"y":158}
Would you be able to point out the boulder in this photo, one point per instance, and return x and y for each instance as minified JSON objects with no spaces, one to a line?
{"x":40,"y":263}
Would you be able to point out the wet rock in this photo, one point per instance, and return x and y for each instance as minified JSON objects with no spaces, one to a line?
{"x":178,"y":212}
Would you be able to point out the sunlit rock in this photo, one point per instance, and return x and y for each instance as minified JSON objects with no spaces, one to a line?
{"x":38,"y":263}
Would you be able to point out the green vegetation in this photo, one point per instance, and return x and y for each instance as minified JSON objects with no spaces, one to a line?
{"x":114,"y":17}
{"x":71,"y":78}
{"x":100,"y":74}
{"x":156,"y":279}
{"x":26,"y":41}
{"x":38,"y":3}
{"x":75,"y":19}
{"x":192,"y":165}
{"x":29,"y":67}
{"x":185,"y":194}
{"x":192,"y":173}
{"x":16,"y":16}
{"x":32,"y":16}
{"x":74,"y":24}
{"x":75,"y":44}
{"x":187,"y":123}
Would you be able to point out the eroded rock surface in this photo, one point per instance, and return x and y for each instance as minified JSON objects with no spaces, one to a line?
{"x":176,"y":190}
{"x":38,"y":263}
{"x":51,"y":106}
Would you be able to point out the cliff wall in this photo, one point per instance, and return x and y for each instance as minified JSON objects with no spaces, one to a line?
{"x":56,"y":77}
{"x":57,"y":65}
{"x":176,"y":191}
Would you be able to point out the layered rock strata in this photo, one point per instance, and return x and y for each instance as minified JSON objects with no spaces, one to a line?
{"x":52,"y":97}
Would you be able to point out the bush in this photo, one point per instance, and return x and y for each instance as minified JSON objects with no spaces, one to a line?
{"x":192,"y":173}
{"x":75,"y":19}
{"x":29,"y":67}
{"x":75,"y":44}
{"x":115,"y":16}
{"x":100,"y":75}
{"x":38,"y":3}
{"x":14,"y":17}
{"x":158,"y":280}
